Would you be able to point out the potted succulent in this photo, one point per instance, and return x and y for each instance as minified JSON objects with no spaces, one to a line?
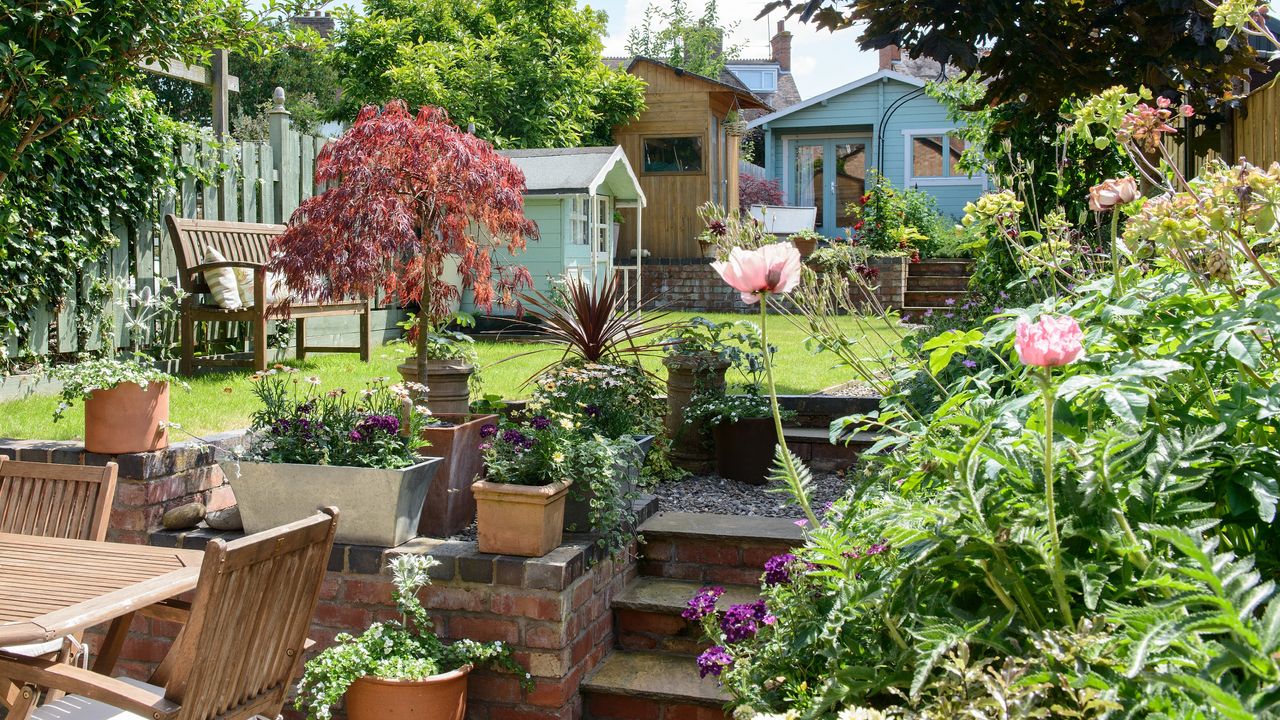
{"x":357,"y":451}
{"x":454,"y":438}
{"x":806,"y":241}
{"x":698,"y":356}
{"x":451,"y":363}
{"x":126,"y":404}
{"x":400,"y":669}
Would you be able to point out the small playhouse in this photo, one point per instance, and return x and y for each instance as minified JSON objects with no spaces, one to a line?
{"x":573,"y":194}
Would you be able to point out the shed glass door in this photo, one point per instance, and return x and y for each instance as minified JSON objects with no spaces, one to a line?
{"x":829,"y":174}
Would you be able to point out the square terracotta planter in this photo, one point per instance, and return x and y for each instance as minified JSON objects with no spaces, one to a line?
{"x":450,"y":506}
{"x":521,"y":520}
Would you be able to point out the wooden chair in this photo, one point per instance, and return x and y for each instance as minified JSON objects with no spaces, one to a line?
{"x":244,"y":245}
{"x":60,"y":501}
{"x":238,"y":653}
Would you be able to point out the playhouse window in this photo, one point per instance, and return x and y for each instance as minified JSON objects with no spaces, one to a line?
{"x":673,"y":155}
{"x":579,"y":220}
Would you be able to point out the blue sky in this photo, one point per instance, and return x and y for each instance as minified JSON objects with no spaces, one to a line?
{"x":820,"y":60}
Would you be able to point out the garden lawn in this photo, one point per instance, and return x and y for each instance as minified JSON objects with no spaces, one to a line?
{"x":224,"y":401}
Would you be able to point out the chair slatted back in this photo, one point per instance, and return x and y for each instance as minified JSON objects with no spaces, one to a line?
{"x":239,"y":242}
{"x":243,"y":643}
{"x":57,"y":501}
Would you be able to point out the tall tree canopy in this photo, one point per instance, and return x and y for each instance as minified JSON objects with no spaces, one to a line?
{"x":526,"y":73}
{"x":61,"y":61}
{"x":1041,"y":53}
{"x":674,"y":35}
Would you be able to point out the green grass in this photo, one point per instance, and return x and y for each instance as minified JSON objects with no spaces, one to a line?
{"x":223,"y":401}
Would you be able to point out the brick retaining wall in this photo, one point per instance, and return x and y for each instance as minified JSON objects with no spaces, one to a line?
{"x":691,"y":284}
{"x":553,"y":611}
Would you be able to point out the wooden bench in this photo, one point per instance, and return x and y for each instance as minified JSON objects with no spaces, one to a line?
{"x":244,"y":245}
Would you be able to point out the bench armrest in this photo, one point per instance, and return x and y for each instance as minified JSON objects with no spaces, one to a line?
{"x":78,"y":681}
{"x":226,"y":264}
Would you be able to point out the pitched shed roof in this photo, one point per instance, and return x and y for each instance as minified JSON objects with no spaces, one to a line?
{"x":577,"y":171}
{"x":726,"y":81}
{"x":860,"y":82}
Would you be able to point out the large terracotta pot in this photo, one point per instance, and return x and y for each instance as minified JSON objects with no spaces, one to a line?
{"x":686,"y":374}
{"x":127,"y":419}
{"x":439,"y":697}
{"x":450,"y":506}
{"x":521,"y":520}
{"x":745,"y":449}
{"x":447,"y":383}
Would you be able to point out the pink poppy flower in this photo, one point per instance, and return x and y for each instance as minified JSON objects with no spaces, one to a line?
{"x":1049,"y":342}
{"x":1110,"y":193}
{"x":771,"y":269}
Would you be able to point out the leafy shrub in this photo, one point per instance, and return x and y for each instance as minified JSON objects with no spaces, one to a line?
{"x":612,"y":400}
{"x":907,"y":221}
{"x":753,"y":190}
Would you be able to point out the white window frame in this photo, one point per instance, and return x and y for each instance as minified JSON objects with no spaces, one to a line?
{"x":767,"y":75}
{"x":602,"y":230}
{"x":579,"y":220}
{"x":908,"y":143}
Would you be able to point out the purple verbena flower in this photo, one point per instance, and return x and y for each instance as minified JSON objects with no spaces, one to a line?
{"x":488,"y":430}
{"x":540,"y":423}
{"x":761,"y":612}
{"x":389,"y":424}
{"x":354,"y":436}
{"x":739,"y":623}
{"x":513,"y":437}
{"x":777,"y":569}
{"x":702,"y":604}
{"x":713,"y":661}
{"x":592,"y":411}
{"x":877,"y":548}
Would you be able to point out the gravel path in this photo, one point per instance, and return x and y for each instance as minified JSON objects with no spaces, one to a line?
{"x":853,"y":388}
{"x":714,"y":494}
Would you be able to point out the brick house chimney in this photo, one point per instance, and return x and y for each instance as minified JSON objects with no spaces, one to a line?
{"x":781,"y":47}
{"x":320,"y":21}
{"x":889,"y":55}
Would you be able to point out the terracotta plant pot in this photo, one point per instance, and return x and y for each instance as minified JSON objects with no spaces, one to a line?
{"x":127,"y":419}
{"x":686,"y":374}
{"x":450,"y":506}
{"x":745,"y":449}
{"x":439,"y":697}
{"x":806,"y":246}
{"x":447,"y":384}
{"x":521,"y":520}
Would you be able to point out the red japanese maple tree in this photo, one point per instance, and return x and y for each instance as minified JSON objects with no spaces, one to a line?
{"x":406,"y":192}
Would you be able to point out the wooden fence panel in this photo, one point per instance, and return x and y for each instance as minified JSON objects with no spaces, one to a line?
{"x":241,"y":182}
{"x":1257,"y":127}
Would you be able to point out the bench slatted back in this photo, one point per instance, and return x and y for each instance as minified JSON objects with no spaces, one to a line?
{"x":249,"y":619}
{"x":56,"y":501}
{"x":240,"y":242}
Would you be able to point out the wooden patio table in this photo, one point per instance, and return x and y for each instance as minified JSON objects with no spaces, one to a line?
{"x":51,"y":587}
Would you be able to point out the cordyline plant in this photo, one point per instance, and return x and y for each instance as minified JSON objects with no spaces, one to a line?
{"x":406,"y":192}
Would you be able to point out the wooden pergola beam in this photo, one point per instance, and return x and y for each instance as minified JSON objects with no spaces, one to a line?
{"x":216,"y":77}
{"x":179,"y":70}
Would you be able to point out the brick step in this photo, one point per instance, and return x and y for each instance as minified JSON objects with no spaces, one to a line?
{"x":932,"y":298}
{"x":940,"y":267}
{"x":651,"y":686}
{"x":917,"y":283}
{"x":713,"y":549}
{"x":647,"y":615}
{"x":814,"y":447}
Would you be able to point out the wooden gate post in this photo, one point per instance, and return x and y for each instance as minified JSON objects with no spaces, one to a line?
{"x":280,"y":127}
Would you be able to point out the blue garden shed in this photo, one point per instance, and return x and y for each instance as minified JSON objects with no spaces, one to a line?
{"x":823,"y":149}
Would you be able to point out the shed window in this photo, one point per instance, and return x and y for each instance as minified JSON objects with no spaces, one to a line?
{"x":935,"y":156}
{"x":579,"y":222}
{"x":673,"y":155}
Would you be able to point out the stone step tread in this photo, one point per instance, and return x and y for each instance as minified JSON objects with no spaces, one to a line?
{"x":712,"y":526}
{"x":795,"y":434}
{"x":654,"y":676}
{"x":670,"y":597}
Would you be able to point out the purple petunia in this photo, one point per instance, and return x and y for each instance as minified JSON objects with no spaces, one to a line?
{"x":777,"y":569}
{"x":488,"y":430}
{"x":702,"y":604}
{"x":713,"y":661}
